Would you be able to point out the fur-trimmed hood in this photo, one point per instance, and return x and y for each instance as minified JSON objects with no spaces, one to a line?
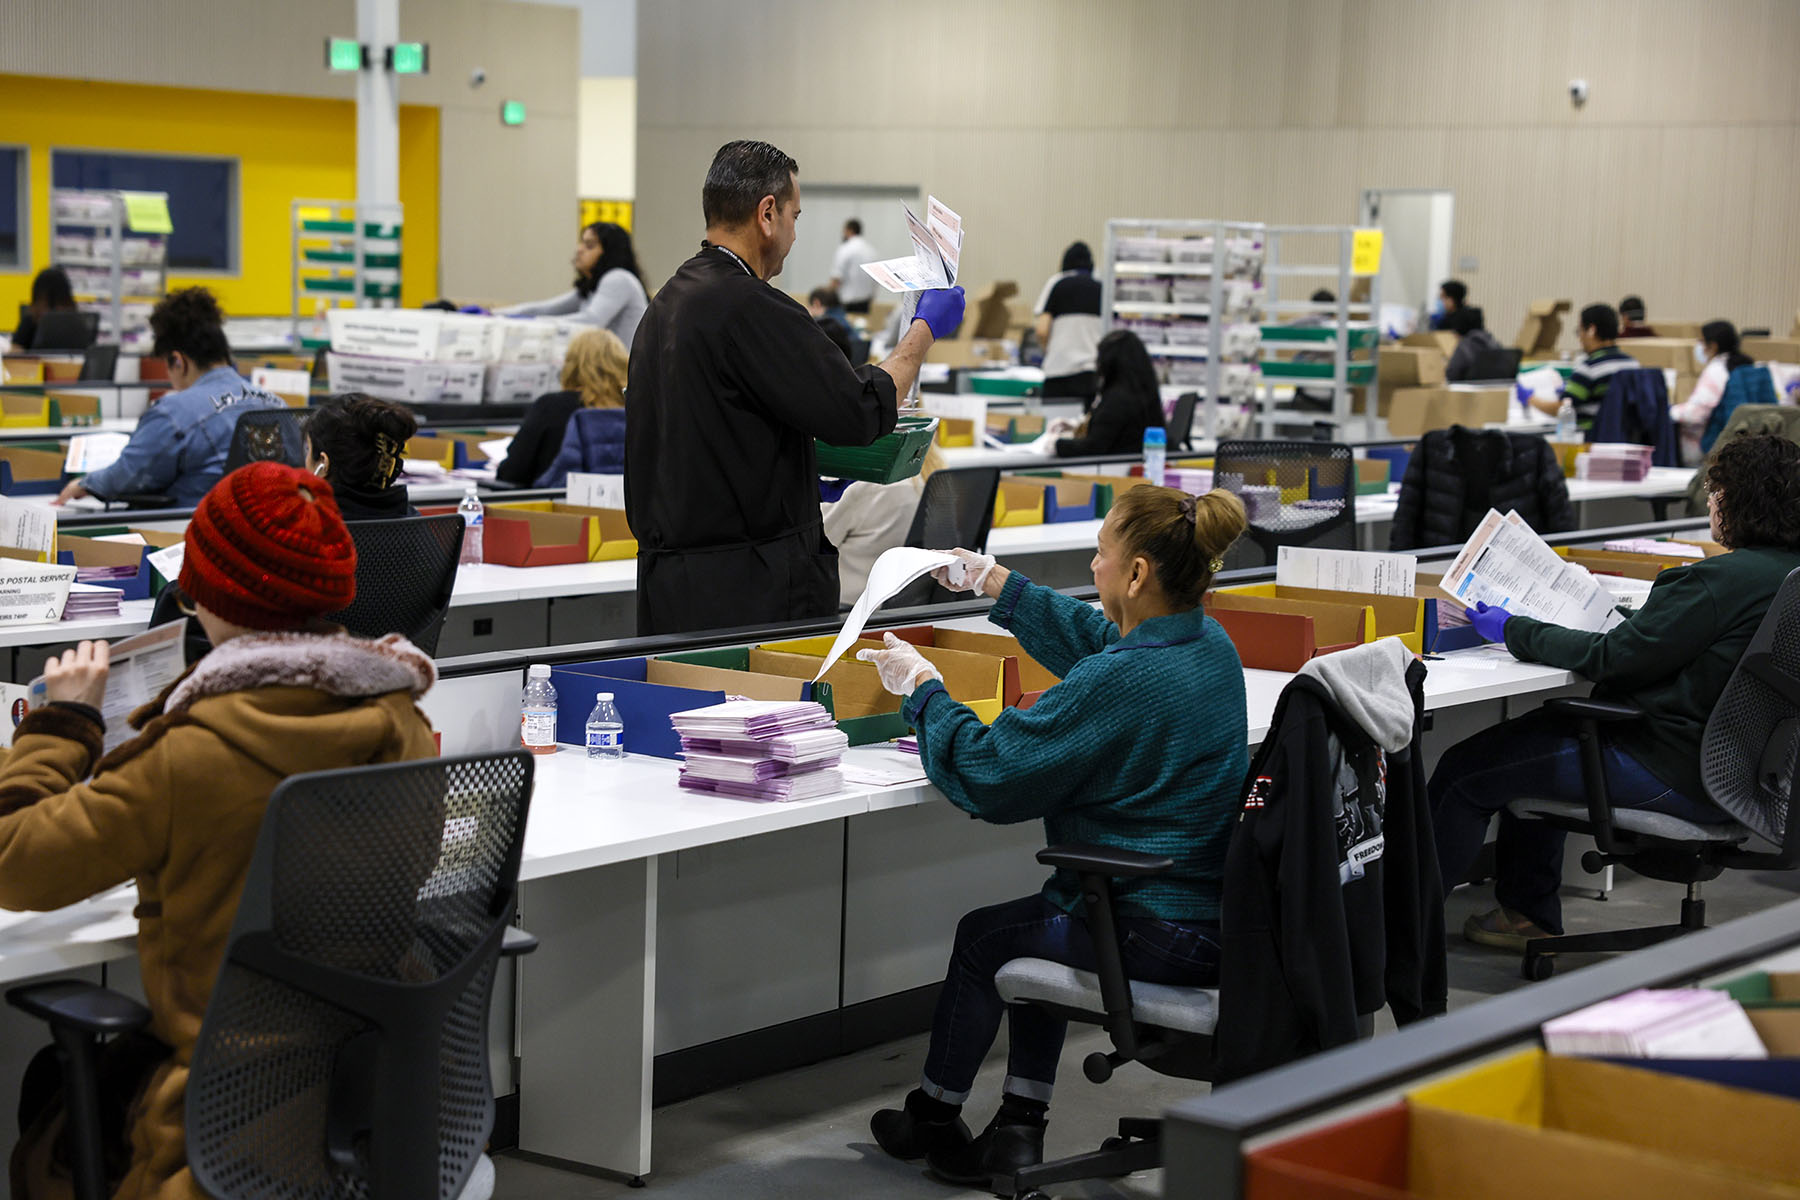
{"x":339,"y":664}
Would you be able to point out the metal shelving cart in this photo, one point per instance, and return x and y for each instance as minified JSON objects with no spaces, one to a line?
{"x":115,"y":271}
{"x":1315,"y":255}
{"x":346,"y":255}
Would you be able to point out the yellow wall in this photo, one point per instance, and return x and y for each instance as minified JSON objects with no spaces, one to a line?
{"x":287,"y":148}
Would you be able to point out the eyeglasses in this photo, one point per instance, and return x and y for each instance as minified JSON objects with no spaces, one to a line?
{"x":185,"y":606}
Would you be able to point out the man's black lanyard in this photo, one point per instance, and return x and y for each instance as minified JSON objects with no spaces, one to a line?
{"x":731,"y":254}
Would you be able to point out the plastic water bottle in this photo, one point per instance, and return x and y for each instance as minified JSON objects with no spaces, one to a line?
{"x":1566,"y":428}
{"x":1156,"y":453}
{"x":474,"y":516}
{"x":537,"y":711}
{"x":605,"y":731}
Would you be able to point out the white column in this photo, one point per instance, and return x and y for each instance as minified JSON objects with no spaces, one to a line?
{"x":377,"y":105}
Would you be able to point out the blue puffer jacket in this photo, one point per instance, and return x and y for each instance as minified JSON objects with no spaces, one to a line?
{"x":179,"y":447}
{"x":594,"y":442}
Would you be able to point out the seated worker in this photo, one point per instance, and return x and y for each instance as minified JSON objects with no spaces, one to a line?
{"x":358,"y":443}
{"x":1162,"y":774}
{"x":593,"y":436}
{"x":1719,"y":356}
{"x":1452,"y":295}
{"x":1069,"y":327}
{"x":870,"y":518}
{"x":178,"y":448}
{"x":1130,"y":400}
{"x":593,"y":376}
{"x":50,"y":292}
{"x":1671,"y":658}
{"x":1601,"y":360}
{"x":1473,"y":341}
{"x":824,"y":305}
{"x":609,"y":288}
{"x":1631,"y":318}
{"x":179,"y":807}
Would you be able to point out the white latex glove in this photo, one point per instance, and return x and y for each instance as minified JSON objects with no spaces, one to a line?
{"x":968,"y":573}
{"x":901,"y":667}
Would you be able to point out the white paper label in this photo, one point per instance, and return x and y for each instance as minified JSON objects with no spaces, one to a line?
{"x":538,"y":727}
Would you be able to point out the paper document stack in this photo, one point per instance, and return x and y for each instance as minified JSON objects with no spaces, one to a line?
{"x":761,"y":749}
{"x":1667,"y":1023}
{"x":1653,"y":546}
{"x":937,"y":252}
{"x":1507,"y":565}
{"x":88,"y":600}
{"x":140,"y":668}
{"x":1614,"y":462}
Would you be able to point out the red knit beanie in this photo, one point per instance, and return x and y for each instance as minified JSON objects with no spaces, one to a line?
{"x":266,"y":549}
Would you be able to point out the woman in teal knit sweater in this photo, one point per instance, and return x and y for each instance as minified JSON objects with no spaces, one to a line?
{"x":1140,"y":747}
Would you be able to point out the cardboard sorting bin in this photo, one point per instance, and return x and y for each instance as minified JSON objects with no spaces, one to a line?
{"x":647,"y":690}
{"x":1107,"y":488}
{"x":76,"y":550}
{"x":31,"y":469}
{"x":977,"y":680}
{"x":608,"y":534}
{"x":1372,"y":476}
{"x":866,"y":712}
{"x":1017,"y":503}
{"x":1618,"y":562}
{"x":1566,"y":454}
{"x":954,"y":432}
{"x":74,"y":408}
{"x":1613,"y":1129}
{"x":525,"y":537}
{"x":1417,"y":411}
{"x":1023,"y":678}
{"x":15,"y":369}
{"x":1778,"y":1025}
{"x":1064,"y":499}
{"x":1765,"y":989}
{"x":1015,"y":430}
{"x":1404,"y":617}
{"x":1542,"y":327}
{"x":1281,"y":634}
{"x":23,"y":411}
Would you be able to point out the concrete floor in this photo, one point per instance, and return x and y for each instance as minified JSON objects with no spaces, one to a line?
{"x":804,"y":1134}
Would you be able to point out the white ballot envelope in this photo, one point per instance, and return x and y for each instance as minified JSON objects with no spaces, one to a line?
{"x":892,"y":571}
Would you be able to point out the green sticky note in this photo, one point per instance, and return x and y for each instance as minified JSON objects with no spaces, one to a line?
{"x":343,"y":54}
{"x":512,"y":112}
{"x":409,"y":58}
{"x":147,"y":212}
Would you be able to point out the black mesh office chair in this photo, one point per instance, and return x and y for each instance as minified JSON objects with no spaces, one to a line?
{"x":405,"y":571}
{"x":956,"y":509}
{"x":1181,"y":421}
{"x":344,"y":1050}
{"x":266,"y":435}
{"x":65,"y":329}
{"x":1294,"y":494}
{"x":1748,"y":760}
{"x":99,"y":364}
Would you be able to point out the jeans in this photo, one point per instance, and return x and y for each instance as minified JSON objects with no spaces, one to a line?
{"x":969,"y":1007}
{"x":1539,"y":756}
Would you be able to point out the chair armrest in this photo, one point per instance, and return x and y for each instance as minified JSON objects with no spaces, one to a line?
{"x":517,"y":942}
{"x":1583,"y":708}
{"x":1104,"y":860}
{"x":85,"y":1007}
{"x":142,"y":500}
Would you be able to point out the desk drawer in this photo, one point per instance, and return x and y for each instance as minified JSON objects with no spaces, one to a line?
{"x":480,"y":628}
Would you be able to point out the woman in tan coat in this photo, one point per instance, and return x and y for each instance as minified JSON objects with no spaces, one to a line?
{"x":178,"y":807}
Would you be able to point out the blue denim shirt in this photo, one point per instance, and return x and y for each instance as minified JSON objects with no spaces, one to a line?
{"x":179,"y":447}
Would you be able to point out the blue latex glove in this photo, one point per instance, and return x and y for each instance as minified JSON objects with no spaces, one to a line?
{"x":474,"y":310}
{"x":1489,"y":621}
{"x":941,"y":310}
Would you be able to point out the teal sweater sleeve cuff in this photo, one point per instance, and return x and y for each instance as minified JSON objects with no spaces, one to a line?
{"x":913,"y":709}
{"x":1008,"y":604}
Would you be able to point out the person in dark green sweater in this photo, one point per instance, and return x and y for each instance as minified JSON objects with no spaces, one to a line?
{"x":1140,"y":747}
{"x":1671,"y":658}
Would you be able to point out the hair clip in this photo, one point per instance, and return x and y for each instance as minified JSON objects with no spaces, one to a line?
{"x":1215,"y":565}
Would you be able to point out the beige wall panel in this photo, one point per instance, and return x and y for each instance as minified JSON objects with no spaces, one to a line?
{"x":510,"y":226}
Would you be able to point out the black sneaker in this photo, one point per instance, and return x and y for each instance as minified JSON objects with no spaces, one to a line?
{"x":906,"y":1137}
{"x":1000,"y":1150}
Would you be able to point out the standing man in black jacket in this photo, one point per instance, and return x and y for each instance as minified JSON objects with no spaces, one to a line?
{"x":730,"y":383}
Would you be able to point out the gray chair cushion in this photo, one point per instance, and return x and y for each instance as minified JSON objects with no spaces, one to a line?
{"x":1650,"y":824}
{"x":1037,"y":980}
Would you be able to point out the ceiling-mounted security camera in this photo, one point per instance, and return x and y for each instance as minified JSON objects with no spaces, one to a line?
{"x":477,"y":77}
{"x":1578,"y":92}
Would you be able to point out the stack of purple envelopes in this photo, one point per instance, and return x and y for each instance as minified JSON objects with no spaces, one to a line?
{"x":761,"y":749}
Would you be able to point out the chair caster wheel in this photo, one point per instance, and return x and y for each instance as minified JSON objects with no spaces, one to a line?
{"x":1114,"y":1143}
{"x":1033,"y":1194}
{"x":1537,"y":967}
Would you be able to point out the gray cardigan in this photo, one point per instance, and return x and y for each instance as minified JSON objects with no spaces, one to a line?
{"x":616,"y":303}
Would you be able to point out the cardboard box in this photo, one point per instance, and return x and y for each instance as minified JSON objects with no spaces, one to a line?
{"x":967,"y":352}
{"x":61,"y":370}
{"x":400,"y":333}
{"x":1018,"y":504}
{"x":406,"y":381}
{"x":74,"y":408}
{"x":28,"y":471}
{"x":14,"y":369}
{"x":1688,"y":330}
{"x":1406,"y":366}
{"x":863,"y":728}
{"x":1334,"y":625}
{"x":518,"y":382}
{"x":606,"y":536}
{"x":1777,"y":1023}
{"x":648,"y":691}
{"x":1404,"y":617}
{"x":1441,"y":340}
{"x":1107,"y":488}
{"x":1776,"y":349}
{"x":1023,"y":679}
{"x":24,"y":411}
{"x":514,"y":537}
{"x":1677,"y":354}
{"x":1270,"y":641}
{"x":987,"y":316}
{"x":77,"y":551}
{"x":977,"y":680}
{"x":1618,"y":562}
{"x":953,"y":432}
{"x":1566,"y":454}
{"x":1542,"y":327}
{"x":1415,"y":411}
{"x":1372,"y":476}
{"x":1617,"y":1130}
{"x":1063,"y":499}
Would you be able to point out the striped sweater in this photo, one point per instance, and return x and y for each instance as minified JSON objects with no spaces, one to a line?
{"x":1591,"y":377}
{"x":1140,"y":747}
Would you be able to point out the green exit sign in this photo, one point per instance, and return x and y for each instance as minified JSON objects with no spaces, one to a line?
{"x":512,"y":112}
{"x":409,"y":58}
{"x":343,"y":54}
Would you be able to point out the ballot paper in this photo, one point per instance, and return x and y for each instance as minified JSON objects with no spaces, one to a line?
{"x":423,"y":468}
{"x":280,"y":382}
{"x":1506,"y":565}
{"x":1345,"y":570}
{"x":596,"y":490}
{"x":496,"y":450}
{"x":167,"y":561}
{"x":33,"y":592}
{"x":28,"y":527}
{"x":92,"y":451}
{"x":891,"y":572}
{"x":139,"y":668}
{"x":937,"y":252}
{"x":957,"y":406}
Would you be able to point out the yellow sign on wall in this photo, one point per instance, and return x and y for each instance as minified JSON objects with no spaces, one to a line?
{"x":616,"y":212}
{"x":1365,"y":252}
